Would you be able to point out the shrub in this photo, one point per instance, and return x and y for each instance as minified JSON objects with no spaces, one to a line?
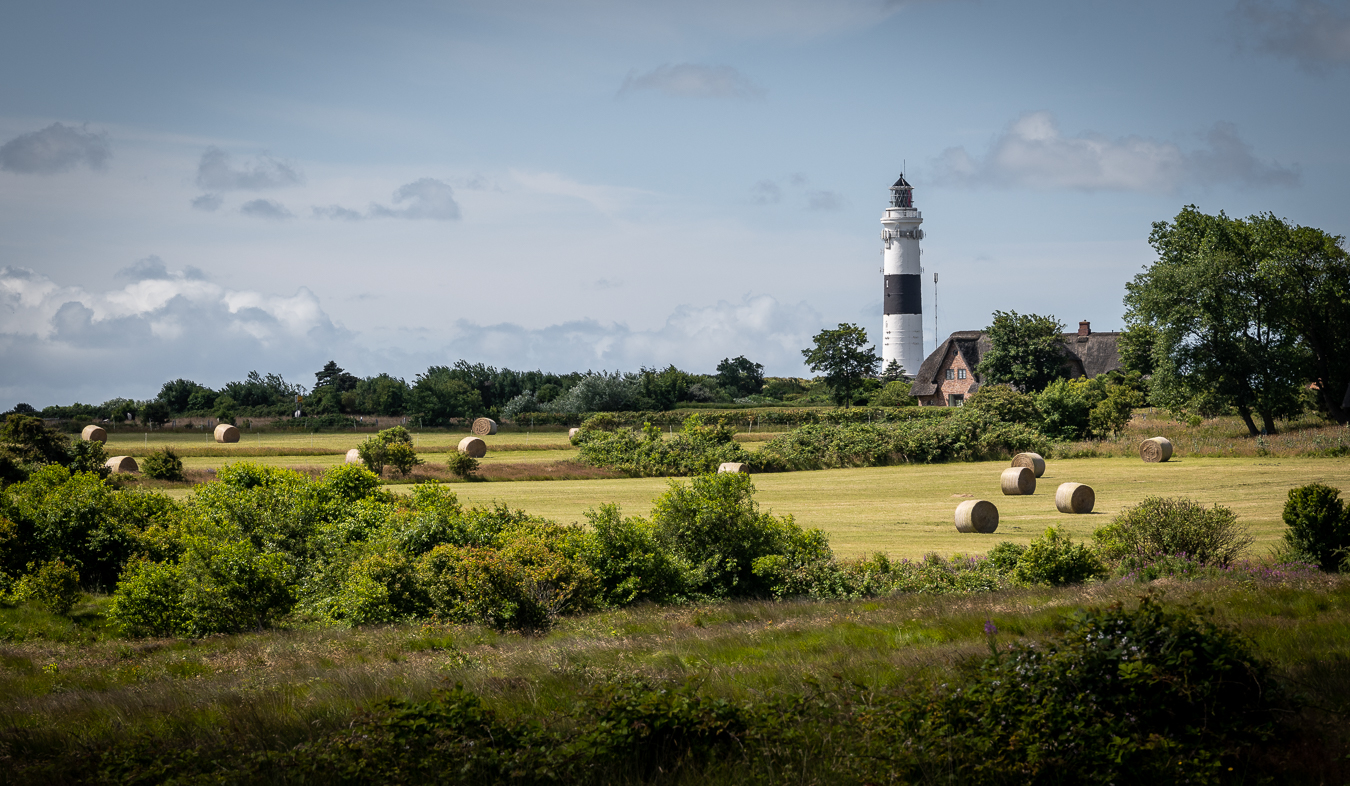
{"x":894,"y":394}
{"x":1004,"y":556}
{"x":1318,"y":524}
{"x":149,"y":600}
{"x":714,"y":524}
{"x":89,"y":457}
{"x":1149,"y":695}
{"x":382,"y":587}
{"x":1053,"y":558}
{"x":629,"y":561}
{"x":392,"y":447}
{"x":1173,"y":526}
{"x":163,"y":464}
{"x":229,"y":586}
{"x":72,"y":517}
{"x":697,"y":449}
{"x":463,"y":465}
{"x":350,"y":483}
{"x":1065,"y":409}
{"x":1005,"y":403}
{"x":54,"y":585}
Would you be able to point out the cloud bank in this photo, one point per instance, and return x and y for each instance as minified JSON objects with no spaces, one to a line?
{"x":1033,"y":153}
{"x":1312,"y":33}
{"x":61,"y":344}
{"x":690,"y":80}
{"x":56,"y":148}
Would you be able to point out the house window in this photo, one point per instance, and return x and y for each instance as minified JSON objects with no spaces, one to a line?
{"x":956,"y":400}
{"x":951,"y":374}
{"x":960,"y":373}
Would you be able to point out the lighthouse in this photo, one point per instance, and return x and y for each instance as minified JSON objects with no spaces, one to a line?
{"x":902,"y":320}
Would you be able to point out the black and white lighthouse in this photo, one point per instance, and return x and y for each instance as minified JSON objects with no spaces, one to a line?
{"x":902,"y":320}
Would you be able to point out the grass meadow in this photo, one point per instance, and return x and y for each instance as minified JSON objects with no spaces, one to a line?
{"x":67,"y":689}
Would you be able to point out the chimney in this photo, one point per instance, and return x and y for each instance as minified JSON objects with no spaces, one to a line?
{"x":1084,"y":328}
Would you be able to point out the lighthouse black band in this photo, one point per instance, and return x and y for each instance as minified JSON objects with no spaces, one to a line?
{"x":903,"y":295}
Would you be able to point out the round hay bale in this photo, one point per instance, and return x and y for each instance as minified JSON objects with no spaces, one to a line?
{"x":573,"y":432}
{"x":354,"y":456}
{"x":976,"y":515}
{"x":1018,"y":480}
{"x":475,"y":447}
{"x":94,"y":434}
{"x":1156,"y":449}
{"x":122,"y":464}
{"x":1074,"y":498}
{"x":227,"y":433}
{"x":1032,"y":460}
{"x":485,"y":427}
{"x":733,"y":466}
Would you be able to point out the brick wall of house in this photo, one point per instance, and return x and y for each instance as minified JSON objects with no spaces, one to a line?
{"x":954,"y":386}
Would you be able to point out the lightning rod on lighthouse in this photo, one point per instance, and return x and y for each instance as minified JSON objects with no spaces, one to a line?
{"x":902,"y":320}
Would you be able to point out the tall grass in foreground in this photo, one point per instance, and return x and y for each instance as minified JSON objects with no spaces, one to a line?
{"x":67,"y":688}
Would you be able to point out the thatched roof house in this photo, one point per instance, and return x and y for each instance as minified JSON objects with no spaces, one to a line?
{"x":948,"y":376}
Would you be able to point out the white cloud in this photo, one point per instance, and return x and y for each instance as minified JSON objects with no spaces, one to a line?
{"x":216,"y":172}
{"x":265,"y":208}
{"x":64,"y":342}
{"x":690,"y":80}
{"x":1312,"y":33}
{"x":1033,"y":153}
{"x":56,"y":148}
{"x":693,"y":337}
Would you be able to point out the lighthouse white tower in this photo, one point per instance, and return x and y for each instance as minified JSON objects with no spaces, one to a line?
{"x":902,"y":323}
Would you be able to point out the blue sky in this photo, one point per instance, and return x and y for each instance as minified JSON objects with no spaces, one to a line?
{"x":198,"y":191}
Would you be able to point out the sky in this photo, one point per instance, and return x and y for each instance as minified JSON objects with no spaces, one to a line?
{"x":200,"y":190}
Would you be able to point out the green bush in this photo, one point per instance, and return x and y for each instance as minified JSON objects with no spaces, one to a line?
{"x":1006,"y":404}
{"x":463,"y":465}
{"x":163,"y":464}
{"x":696,"y":449}
{"x":967,"y":435}
{"x":391,"y":447}
{"x":1318,"y":524}
{"x":1176,"y":526}
{"x":1005,"y":555}
{"x":1148,"y":695}
{"x":54,"y":585}
{"x":894,"y":394}
{"x":713,"y":524}
{"x":1053,"y":558}
{"x":230,"y":586}
{"x":629,"y":561}
{"x":149,"y":600}
{"x":72,"y":517}
{"x":383,"y":587}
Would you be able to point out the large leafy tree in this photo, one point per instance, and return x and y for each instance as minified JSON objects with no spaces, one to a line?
{"x":740,"y":376}
{"x":438,"y":396}
{"x":1222,"y":329}
{"x":845,"y":359}
{"x":1308,"y":276}
{"x":1026,"y":351}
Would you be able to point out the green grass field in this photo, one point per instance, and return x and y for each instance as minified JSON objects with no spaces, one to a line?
{"x":907,"y":510}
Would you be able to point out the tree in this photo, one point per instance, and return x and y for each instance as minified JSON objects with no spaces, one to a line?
{"x":332,"y":376}
{"x":438,"y":397}
{"x":1223,"y":329}
{"x":893,"y":372}
{"x":1309,"y":275}
{"x":156,"y":413}
{"x":740,"y":376}
{"x":1027,"y":351}
{"x":844,"y":357}
{"x":178,"y":395}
